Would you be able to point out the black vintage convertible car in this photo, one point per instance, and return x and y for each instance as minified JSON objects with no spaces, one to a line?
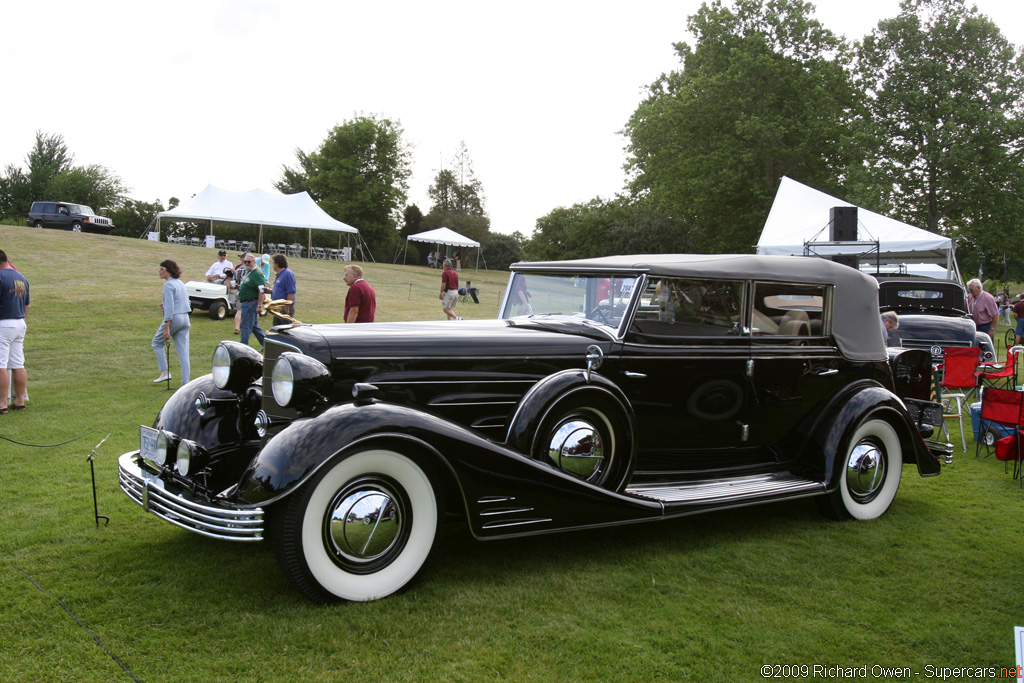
{"x":607,"y":391}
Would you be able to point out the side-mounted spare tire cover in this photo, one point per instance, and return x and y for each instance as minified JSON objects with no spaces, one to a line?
{"x":583,"y":426}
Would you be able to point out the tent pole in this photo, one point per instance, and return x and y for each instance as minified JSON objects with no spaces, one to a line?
{"x":309,"y":244}
{"x":259,"y":244}
{"x":406,"y":252}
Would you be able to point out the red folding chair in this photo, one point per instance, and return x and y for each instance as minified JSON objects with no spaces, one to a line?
{"x":1008,"y":375}
{"x":959,"y":383}
{"x":1006,"y":408}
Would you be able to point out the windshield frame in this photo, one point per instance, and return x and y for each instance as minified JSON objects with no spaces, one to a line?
{"x":627,"y":304}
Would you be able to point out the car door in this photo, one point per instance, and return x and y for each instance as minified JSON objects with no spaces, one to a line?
{"x":683,"y":367}
{"x":61,"y":217}
{"x":795,"y":367}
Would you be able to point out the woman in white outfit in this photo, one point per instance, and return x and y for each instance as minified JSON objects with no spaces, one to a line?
{"x":175,"y":324}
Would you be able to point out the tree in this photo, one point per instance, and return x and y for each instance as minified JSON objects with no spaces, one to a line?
{"x":134,"y":217}
{"x":764,"y":93}
{"x":51,"y":174}
{"x":358,"y":175}
{"x":945,"y":92}
{"x":502,"y":251}
{"x":604,"y":227}
{"x":458,"y":200}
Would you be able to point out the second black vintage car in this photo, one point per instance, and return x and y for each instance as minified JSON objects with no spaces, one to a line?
{"x":933,"y":316}
{"x":608,"y":391}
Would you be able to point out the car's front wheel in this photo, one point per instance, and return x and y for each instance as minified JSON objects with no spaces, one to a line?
{"x":76,"y":227}
{"x":360,"y":529}
{"x":870,"y":474}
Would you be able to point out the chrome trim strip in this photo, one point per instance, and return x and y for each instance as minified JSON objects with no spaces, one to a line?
{"x":504,"y":511}
{"x":149,"y":491}
{"x":521,"y":522}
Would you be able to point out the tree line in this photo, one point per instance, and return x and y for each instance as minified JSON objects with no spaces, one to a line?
{"x":920,"y":120}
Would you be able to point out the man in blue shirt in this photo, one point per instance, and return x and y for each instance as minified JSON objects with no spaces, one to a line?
{"x":14,"y":305}
{"x":284,"y":286}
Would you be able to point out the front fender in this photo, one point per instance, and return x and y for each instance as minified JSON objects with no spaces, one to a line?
{"x":505,"y":493}
{"x":217,"y":428}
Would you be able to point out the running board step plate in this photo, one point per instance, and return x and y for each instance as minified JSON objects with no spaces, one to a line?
{"x":775,"y":485}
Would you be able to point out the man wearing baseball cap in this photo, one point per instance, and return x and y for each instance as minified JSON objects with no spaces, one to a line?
{"x":216,"y":273}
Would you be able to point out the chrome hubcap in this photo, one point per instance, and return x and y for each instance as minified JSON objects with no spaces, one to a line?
{"x":865,"y":471}
{"x":576,"y":447}
{"x":365,"y":524}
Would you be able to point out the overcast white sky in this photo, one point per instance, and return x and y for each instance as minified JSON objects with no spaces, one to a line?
{"x":172,"y":96}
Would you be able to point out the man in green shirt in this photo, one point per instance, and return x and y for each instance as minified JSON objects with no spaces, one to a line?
{"x":250,"y":296}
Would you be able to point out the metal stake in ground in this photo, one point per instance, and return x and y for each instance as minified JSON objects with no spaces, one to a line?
{"x":92,"y":471}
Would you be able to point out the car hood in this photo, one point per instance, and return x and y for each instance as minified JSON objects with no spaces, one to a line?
{"x":445,"y":339}
{"x":933,"y":328}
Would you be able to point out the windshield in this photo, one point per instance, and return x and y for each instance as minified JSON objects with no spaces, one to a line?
{"x":81,"y":209}
{"x":600,"y":298}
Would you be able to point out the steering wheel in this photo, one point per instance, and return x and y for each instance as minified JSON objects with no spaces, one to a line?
{"x":604,"y":313}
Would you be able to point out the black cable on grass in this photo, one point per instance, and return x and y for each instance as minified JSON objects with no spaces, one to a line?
{"x":79,"y":622}
{"x":83,"y":434}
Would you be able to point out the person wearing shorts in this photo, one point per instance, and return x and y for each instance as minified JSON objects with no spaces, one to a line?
{"x":14,"y":305}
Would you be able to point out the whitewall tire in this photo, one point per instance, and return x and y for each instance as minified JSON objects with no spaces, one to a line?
{"x":870,"y":476}
{"x":360,"y":530}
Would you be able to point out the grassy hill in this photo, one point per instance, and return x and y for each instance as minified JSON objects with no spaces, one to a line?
{"x":935,"y":582}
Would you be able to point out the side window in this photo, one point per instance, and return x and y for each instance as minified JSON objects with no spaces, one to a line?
{"x":48,"y":207}
{"x":789,"y":310}
{"x":673,"y":308}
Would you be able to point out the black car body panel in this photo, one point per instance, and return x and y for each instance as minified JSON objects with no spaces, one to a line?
{"x":608,"y":391}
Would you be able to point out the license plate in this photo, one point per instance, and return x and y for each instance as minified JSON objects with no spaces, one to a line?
{"x":147,"y":442}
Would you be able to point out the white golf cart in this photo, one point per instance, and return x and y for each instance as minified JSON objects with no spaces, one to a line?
{"x":211,"y":297}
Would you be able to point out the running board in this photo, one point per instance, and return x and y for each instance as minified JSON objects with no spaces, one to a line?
{"x":719,"y":491}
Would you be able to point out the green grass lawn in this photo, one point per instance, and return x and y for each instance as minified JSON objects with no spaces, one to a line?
{"x":935,"y":582}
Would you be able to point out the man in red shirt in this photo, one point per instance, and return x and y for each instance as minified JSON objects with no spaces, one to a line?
{"x":361,"y":301}
{"x":1018,"y":311}
{"x":449,"y":290}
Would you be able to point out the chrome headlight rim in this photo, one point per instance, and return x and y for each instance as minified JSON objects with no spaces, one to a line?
{"x":282,"y":381}
{"x":184,"y":455}
{"x":299,"y":382}
{"x":236,"y":366}
{"x":166,"y":444}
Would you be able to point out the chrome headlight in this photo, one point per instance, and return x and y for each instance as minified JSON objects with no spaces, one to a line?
{"x":236,"y":366}
{"x":282,"y":381}
{"x":183,"y":459}
{"x":299,"y":381}
{"x":164,"y":445}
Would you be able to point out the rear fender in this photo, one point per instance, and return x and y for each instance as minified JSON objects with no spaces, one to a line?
{"x":865,"y":401}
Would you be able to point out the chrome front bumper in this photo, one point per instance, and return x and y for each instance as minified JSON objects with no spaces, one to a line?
{"x":149,"y":491}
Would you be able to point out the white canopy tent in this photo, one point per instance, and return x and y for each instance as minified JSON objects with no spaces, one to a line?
{"x":256,"y":207}
{"x":798,"y":224}
{"x":443,"y":237}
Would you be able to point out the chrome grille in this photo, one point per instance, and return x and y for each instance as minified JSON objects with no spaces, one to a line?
{"x":151,"y":493}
